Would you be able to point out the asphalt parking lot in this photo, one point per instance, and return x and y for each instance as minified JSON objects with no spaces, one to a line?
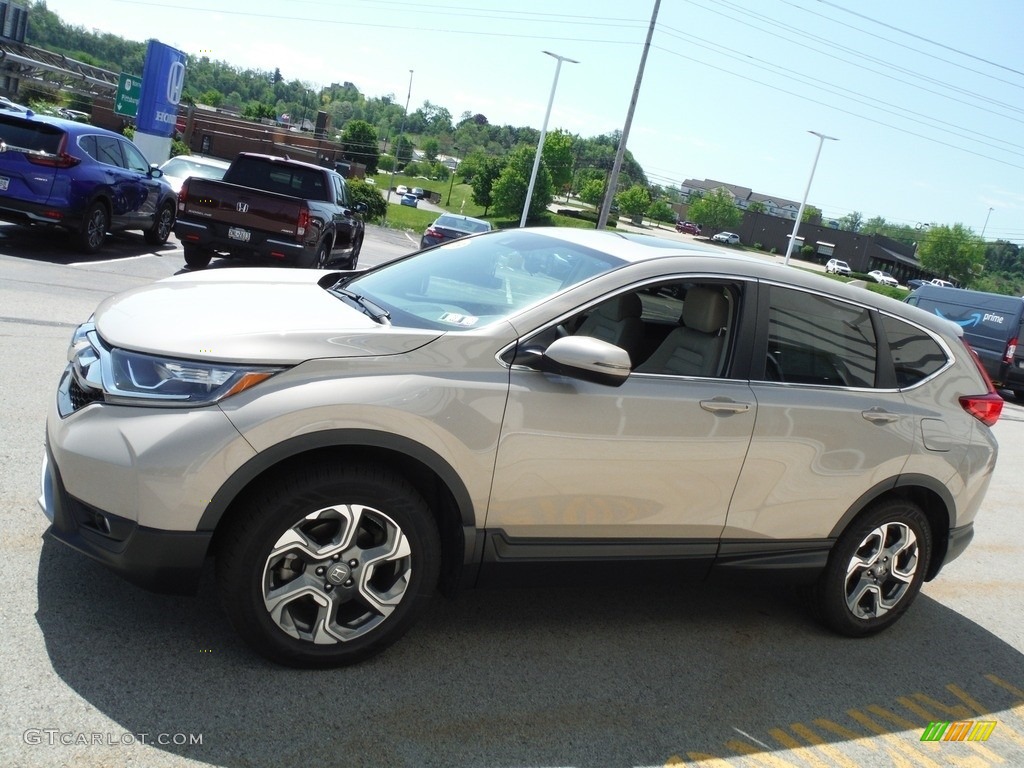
{"x":99,"y":673}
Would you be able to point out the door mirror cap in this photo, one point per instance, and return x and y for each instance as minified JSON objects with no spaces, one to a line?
{"x":587,"y":358}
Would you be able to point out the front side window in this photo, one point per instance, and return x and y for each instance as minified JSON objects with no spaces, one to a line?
{"x":814,"y":339}
{"x":134,"y":159}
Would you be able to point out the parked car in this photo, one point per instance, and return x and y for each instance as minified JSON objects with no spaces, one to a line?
{"x":419,"y":192}
{"x":883,"y":277}
{"x":916,"y":283}
{"x":992,"y":322}
{"x":688,"y":227}
{"x":74,"y":114}
{"x":730,"y":238}
{"x":401,"y":189}
{"x":181,"y":167}
{"x":529,"y":403}
{"x":942,"y":283}
{"x":11,"y":106}
{"x":81,"y":178}
{"x":410,"y":199}
{"x":452,"y":226}
{"x":838,"y":267}
{"x":270,"y":209}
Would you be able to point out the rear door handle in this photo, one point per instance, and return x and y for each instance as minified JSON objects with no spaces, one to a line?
{"x":723,"y":405}
{"x":879,"y":416}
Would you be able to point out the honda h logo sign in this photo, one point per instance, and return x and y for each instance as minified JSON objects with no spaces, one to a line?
{"x":175,"y":82}
{"x":242,"y":207}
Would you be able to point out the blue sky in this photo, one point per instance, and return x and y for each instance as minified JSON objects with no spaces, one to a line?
{"x":926,"y":97}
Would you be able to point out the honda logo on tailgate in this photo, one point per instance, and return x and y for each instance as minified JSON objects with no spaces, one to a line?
{"x":242,"y":207}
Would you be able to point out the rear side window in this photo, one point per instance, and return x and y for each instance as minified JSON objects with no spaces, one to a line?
{"x":35,"y":137}
{"x":818,"y":340}
{"x":915,"y":354}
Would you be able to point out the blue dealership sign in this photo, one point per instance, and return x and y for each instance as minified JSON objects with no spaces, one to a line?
{"x":163,"y":77}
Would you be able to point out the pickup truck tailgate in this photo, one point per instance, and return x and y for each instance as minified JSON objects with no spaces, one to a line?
{"x":241,"y":207}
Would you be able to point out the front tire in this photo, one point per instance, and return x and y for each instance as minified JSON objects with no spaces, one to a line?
{"x":90,"y":237}
{"x":875,"y":569}
{"x":326,"y":567}
{"x":162,"y":224}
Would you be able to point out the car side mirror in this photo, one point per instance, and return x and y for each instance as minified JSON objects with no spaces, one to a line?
{"x":155,"y":172}
{"x":359,"y":208}
{"x":587,"y":358}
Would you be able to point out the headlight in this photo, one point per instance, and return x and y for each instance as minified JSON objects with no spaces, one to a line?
{"x":98,"y":373}
{"x":132,"y":376}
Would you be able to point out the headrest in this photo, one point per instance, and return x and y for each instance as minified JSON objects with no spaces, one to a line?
{"x":705,"y":309}
{"x":622,"y":307}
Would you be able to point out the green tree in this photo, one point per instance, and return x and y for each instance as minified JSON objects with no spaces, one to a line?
{"x":660,"y":210}
{"x":360,"y":140}
{"x":483,"y":181}
{"x":430,"y":146}
{"x":558,"y":158}
{"x":509,"y":191}
{"x":634,"y":201}
{"x":403,"y":151}
{"x":592,"y":191}
{"x":953,"y":252}
{"x":811,"y":214}
{"x":852,"y":222}
{"x":756,"y":207}
{"x":715,"y":212}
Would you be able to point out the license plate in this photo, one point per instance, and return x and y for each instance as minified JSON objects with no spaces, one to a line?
{"x":237,"y":233}
{"x":4,"y":181}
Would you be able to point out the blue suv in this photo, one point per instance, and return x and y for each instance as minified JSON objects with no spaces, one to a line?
{"x":82,"y":178}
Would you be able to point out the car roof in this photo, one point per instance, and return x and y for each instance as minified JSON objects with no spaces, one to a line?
{"x":70,"y":126}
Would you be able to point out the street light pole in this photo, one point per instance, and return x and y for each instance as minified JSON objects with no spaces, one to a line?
{"x":986,"y":225}
{"x":401,"y":131}
{"x":800,"y":213}
{"x":543,"y":132}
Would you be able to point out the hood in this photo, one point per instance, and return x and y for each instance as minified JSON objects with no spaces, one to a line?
{"x":248,"y":315}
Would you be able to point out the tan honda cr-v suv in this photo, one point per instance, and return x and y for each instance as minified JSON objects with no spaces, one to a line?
{"x":537,"y":402}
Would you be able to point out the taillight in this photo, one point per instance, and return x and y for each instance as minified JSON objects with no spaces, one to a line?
{"x":431,"y":232}
{"x":59,"y":159}
{"x":183,"y":195}
{"x":985,"y":408}
{"x":1011,"y":349}
{"x":303,"y":222}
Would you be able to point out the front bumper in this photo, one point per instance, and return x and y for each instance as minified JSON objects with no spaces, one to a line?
{"x":161,"y":561}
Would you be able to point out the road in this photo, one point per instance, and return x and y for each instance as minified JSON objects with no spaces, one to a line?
{"x":99,"y":673}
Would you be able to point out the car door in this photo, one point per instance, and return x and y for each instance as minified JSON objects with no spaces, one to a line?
{"x":142,"y":190}
{"x":831,"y":423}
{"x":585,"y":470}
{"x":344,"y":223}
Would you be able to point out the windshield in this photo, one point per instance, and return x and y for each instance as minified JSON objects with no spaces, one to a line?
{"x":474,"y":281}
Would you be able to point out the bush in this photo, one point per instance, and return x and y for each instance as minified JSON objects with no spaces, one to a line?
{"x":591,"y":216}
{"x":361,"y":192}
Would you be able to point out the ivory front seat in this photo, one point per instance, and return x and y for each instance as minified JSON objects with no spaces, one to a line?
{"x":618,"y":322}
{"x":695,"y":347}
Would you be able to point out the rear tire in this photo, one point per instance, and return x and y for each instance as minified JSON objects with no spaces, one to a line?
{"x":162,"y":224}
{"x":326,"y":567}
{"x":875,"y":570}
{"x":93,"y":232}
{"x":196,"y":257}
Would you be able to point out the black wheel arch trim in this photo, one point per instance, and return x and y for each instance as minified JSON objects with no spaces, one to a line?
{"x":340,"y":438}
{"x":908,"y":483}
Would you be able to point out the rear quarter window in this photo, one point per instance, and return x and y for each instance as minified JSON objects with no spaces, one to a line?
{"x":915,"y":354}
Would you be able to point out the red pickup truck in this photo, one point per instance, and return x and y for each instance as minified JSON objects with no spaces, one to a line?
{"x":270,"y":209}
